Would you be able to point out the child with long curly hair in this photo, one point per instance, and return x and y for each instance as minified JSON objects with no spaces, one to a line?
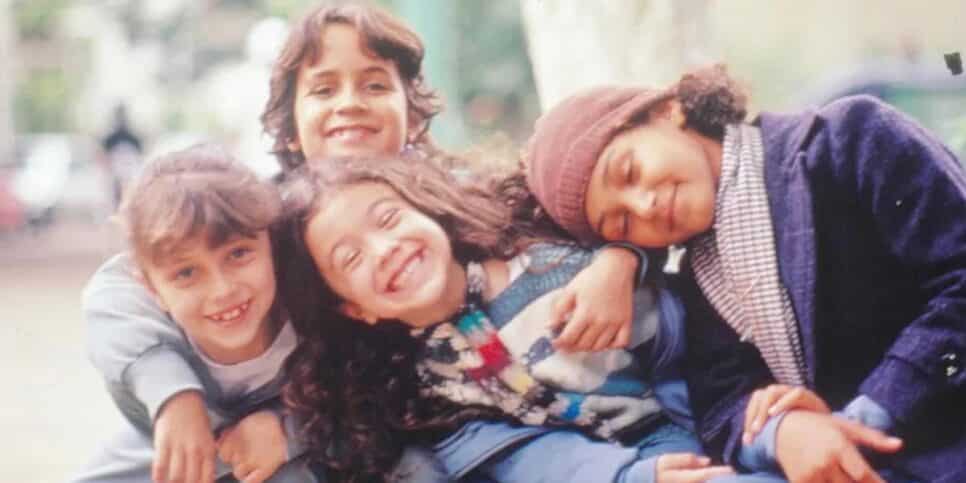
{"x":441,"y":296}
{"x":348,"y":82}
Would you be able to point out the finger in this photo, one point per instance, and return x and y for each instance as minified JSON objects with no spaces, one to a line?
{"x":605,"y":339}
{"x":159,"y":470}
{"x":192,"y":465}
{"x":257,"y":476}
{"x":207,"y":474}
{"x":241,"y":471}
{"x":856,"y":468}
{"x":751,"y":412}
{"x":176,"y":467}
{"x":623,"y":337}
{"x":586,"y":341}
{"x":561,"y":308}
{"x":772,"y":393}
{"x":835,"y":474}
{"x":226,"y":452}
{"x":674,"y":461}
{"x":705,"y":474}
{"x":868,"y":437}
{"x":793,"y":398}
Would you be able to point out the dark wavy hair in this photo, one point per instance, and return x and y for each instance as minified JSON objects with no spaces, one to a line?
{"x":385,"y":36}
{"x":710,"y":99}
{"x":353,"y":386}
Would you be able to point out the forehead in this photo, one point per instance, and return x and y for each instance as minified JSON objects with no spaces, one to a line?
{"x":344,"y":211}
{"x":199,"y":246}
{"x":344,"y":48}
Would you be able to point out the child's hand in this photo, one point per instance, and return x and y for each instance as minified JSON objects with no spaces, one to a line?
{"x":775,"y":399}
{"x":183,"y":441}
{"x":255,"y":447}
{"x":687,"y":468}
{"x":597,"y":304}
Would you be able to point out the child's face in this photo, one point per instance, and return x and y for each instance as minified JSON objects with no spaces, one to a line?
{"x":385,"y":258}
{"x":219,"y":296}
{"x":349,"y":102}
{"x":653,"y":185}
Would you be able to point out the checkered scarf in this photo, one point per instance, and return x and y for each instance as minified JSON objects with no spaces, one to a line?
{"x":736,"y":266}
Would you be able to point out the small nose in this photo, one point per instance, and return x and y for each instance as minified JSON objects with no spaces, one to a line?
{"x":350,"y":100}
{"x":384,"y":248}
{"x":222,"y":284}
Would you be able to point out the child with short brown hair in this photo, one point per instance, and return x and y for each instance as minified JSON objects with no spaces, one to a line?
{"x":197,"y":223}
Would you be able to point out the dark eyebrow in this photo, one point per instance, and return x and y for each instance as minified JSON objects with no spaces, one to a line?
{"x":321,"y":74}
{"x":377,"y":69}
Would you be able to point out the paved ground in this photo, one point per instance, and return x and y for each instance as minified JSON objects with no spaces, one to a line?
{"x":54,"y":408}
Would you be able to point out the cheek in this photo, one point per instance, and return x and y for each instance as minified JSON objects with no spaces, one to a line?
{"x":348,"y":287}
{"x":266,"y":275}
{"x":183,"y":306}
{"x":398,"y":112}
{"x":308,"y":114}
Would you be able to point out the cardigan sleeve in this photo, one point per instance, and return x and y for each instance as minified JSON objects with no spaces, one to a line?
{"x":915,"y":191}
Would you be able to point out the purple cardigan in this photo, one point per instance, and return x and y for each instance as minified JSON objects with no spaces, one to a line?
{"x":869,"y":213}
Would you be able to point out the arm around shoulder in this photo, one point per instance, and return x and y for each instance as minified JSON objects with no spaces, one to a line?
{"x":131,"y":341}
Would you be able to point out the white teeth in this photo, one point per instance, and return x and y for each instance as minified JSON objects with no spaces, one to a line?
{"x":350,"y":133}
{"x":400,"y":280}
{"x":231,"y":314}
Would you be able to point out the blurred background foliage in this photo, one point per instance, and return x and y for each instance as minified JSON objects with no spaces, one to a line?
{"x":197,"y":69}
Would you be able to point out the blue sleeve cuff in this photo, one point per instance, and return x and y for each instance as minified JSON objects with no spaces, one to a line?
{"x":643,"y":471}
{"x":864,"y":410}
{"x":642,"y":259}
{"x":760,"y":454}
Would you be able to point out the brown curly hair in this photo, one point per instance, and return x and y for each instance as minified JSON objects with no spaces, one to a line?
{"x":385,"y":36}
{"x":710,"y":99}
{"x":354,"y":386}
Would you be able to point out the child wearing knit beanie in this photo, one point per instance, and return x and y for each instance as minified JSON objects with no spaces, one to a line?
{"x":817,"y":243}
{"x":587,"y":144}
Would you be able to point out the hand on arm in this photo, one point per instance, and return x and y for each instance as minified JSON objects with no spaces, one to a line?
{"x":597,"y":305}
{"x":776,"y":399}
{"x":183,"y":442}
{"x":255,"y":447}
{"x":813,"y":447}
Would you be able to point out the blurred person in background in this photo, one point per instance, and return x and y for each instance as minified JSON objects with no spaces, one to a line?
{"x":121,"y":153}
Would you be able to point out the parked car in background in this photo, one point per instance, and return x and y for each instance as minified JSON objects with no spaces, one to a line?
{"x":53,"y":175}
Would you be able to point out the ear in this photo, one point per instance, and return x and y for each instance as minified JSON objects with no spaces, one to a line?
{"x":414,"y":127}
{"x":356,"y":312}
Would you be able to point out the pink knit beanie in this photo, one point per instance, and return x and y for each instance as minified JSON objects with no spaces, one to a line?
{"x":567,"y":141}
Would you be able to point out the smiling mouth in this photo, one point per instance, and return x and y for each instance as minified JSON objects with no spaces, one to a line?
{"x":401,"y":277}
{"x":232,"y":314}
{"x":350,"y":133}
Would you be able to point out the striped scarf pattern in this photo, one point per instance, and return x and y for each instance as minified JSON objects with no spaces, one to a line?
{"x":736,"y":265}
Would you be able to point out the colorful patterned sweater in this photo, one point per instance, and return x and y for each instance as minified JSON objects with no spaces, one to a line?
{"x":500,"y":353}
